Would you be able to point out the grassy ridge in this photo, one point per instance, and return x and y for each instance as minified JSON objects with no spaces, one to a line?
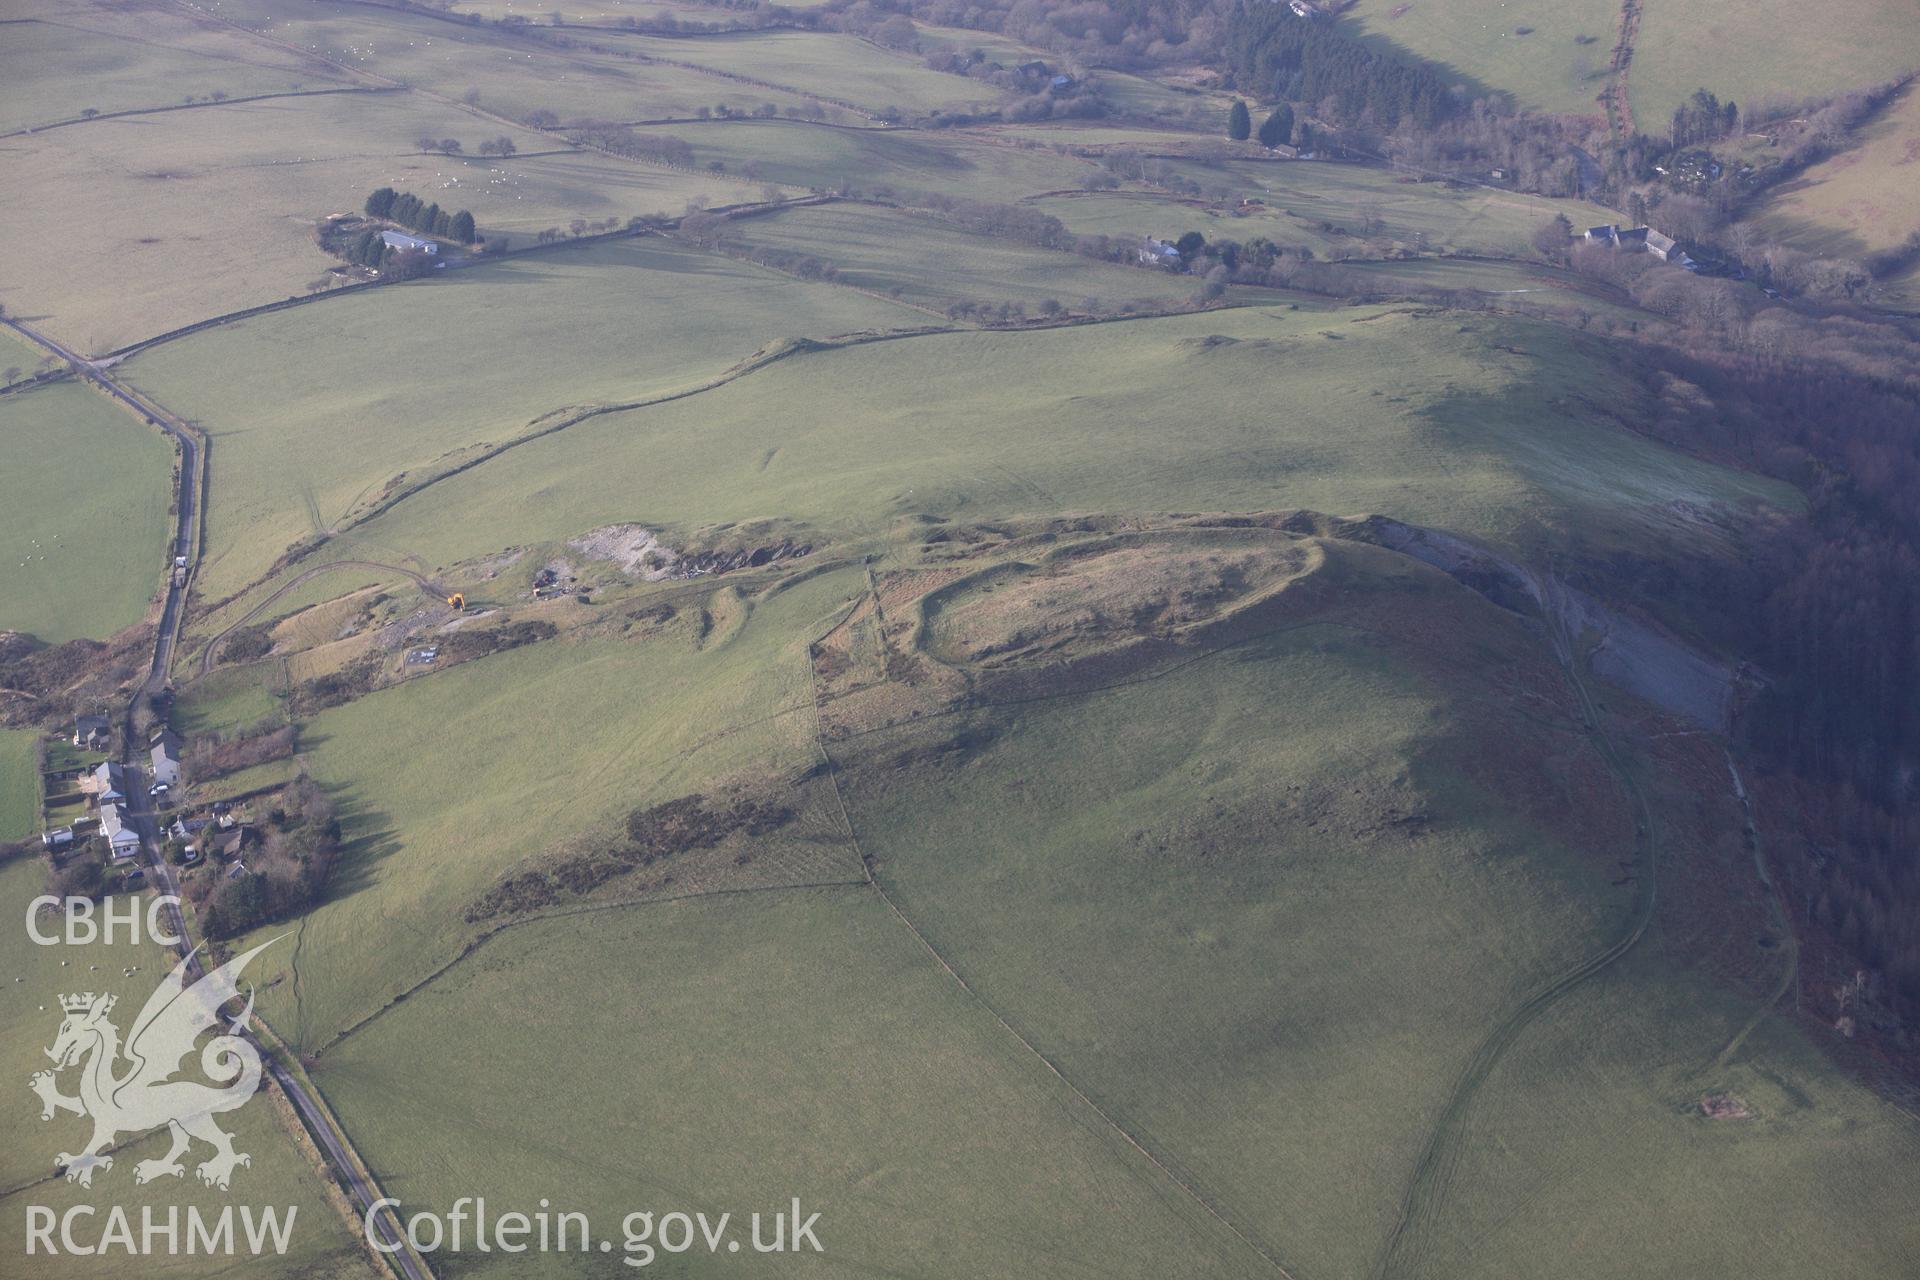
{"x":1489,"y":427}
{"x":85,"y":493}
{"x":1255,"y":906}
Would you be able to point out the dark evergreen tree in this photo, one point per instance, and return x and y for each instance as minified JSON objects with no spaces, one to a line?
{"x":1239,"y":122}
{"x":462,"y":229}
{"x":1277,"y":128}
{"x":380,"y":203}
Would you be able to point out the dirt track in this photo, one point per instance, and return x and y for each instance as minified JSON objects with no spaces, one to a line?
{"x":420,"y":580}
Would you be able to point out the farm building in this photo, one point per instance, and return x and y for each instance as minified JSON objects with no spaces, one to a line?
{"x":402,"y":242}
{"x":57,"y":839}
{"x":1634,"y":239}
{"x":166,"y":759}
{"x":123,"y":842}
{"x":108,"y":784}
{"x":1156,"y":252}
{"x":1664,"y":248}
{"x":91,"y":732}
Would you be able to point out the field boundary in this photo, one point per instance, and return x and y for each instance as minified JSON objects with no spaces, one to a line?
{"x":195,"y":106}
{"x":590,"y":908}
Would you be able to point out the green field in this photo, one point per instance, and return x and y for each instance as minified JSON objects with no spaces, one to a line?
{"x":925,"y":262}
{"x":438,"y":800}
{"x":102,"y":57}
{"x":1479,"y":42}
{"x":793,"y":1044}
{"x":1752,"y":51}
{"x":1347,"y":410}
{"x":871,"y":160}
{"x":327,"y":425}
{"x":19,"y":784}
{"x":279,"y":1176}
{"x":826,"y":66}
{"x":200,"y":212}
{"x":85,"y":491}
{"x":230,"y":699}
{"x":516,"y":76}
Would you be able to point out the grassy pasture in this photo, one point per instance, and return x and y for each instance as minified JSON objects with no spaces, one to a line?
{"x":826,"y":65}
{"x":515,"y":76}
{"x":809,"y":155}
{"x":934,"y":265}
{"x":1343,"y":410}
{"x":1588,"y":1147}
{"x":68,"y":59}
{"x":730,"y":1054}
{"x":1199,"y":895}
{"x":19,"y":784}
{"x":446,"y":782}
{"x":314,"y":411}
{"x":30,"y":1015}
{"x":1748,"y":51}
{"x":85,"y":492}
{"x":1140,"y":98}
{"x":230,"y":699}
{"x":1191,"y":892}
{"x":201,"y":212}
{"x":1479,"y":41}
{"x":1857,"y":201}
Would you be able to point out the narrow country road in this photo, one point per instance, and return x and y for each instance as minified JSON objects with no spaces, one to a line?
{"x":313,"y":1112}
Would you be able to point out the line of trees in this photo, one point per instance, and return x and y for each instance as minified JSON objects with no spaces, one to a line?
{"x":410,"y":211}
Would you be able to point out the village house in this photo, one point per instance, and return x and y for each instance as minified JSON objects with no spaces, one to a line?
{"x":400,"y":242}
{"x":123,"y":842}
{"x":91,"y":733}
{"x":57,"y":840}
{"x":165,"y":752}
{"x":107,"y":784}
{"x":227,"y":845}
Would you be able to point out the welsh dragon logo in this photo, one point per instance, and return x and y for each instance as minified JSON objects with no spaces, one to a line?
{"x":142,"y":1094}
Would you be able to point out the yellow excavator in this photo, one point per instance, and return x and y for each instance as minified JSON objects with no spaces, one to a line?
{"x":458,"y":601}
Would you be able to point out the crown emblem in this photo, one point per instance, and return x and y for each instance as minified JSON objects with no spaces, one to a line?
{"x":81,"y":1003}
